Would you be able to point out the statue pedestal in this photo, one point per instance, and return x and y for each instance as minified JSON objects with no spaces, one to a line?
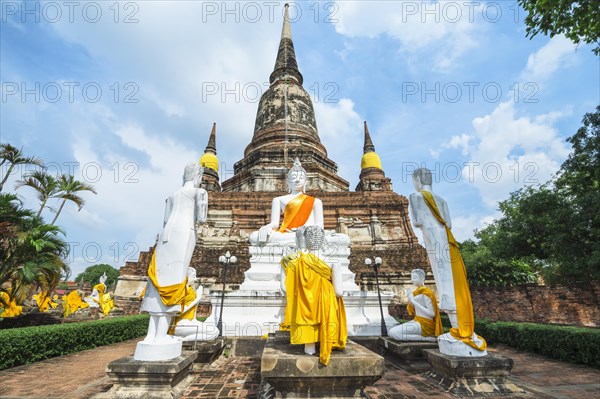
{"x":153,"y":352}
{"x":294,"y":374}
{"x":258,"y":306}
{"x":134,"y":379}
{"x":471,"y":376}
{"x":405,"y":349}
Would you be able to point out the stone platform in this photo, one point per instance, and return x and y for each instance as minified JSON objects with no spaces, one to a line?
{"x":294,"y":374}
{"x":207,"y":351}
{"x":134,"y":379}
{"x":471,"y":376}
{"x":405,"y":350}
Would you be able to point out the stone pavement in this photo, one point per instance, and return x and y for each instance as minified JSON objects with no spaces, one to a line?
{"x":80,"y":375}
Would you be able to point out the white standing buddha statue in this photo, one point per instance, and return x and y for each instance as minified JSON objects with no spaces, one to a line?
{"x":426,"y":325}
{"x":429,"y":212}
{"x":166,"y":288}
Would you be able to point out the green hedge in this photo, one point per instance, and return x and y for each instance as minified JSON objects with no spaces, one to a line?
{"x":31,"y":344}
{"x":570,"y":344}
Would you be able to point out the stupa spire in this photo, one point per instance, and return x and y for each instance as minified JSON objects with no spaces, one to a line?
{"x":368,"y":146}
{"x":212,"y":146}
{"x":285,"y":63}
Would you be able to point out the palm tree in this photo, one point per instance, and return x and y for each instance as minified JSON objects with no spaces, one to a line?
{"x":31,"y":252}
{"x":68,"y":188}
{"x":14,"y":156}
{"x":45,"y":185}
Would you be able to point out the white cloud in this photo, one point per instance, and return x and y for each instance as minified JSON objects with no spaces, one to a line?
{"x":461,"y":142}
{"x":508,"y":152}
{"x":547,"y":60}
{"x":434,"y":34}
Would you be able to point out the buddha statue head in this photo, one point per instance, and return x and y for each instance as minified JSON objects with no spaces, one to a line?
{"x":193,"y":172}
{"x":422,"y":177}
{"x":417,"y":276}
{"x":296,"y":178}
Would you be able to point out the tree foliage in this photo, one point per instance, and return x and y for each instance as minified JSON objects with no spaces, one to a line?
{"x":578,"y":20}
{"x":553,"y":229}
{"x":92,"y":275}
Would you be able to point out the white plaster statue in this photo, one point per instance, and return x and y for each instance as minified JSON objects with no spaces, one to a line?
{"x":311,"y":239}
{"x":94,"y":299}
{"x":427,"y":316}
{"x":187,"y":326}
{"x":437,"y":243}
{"x":305,"y":211}
{"x":183,"y":211}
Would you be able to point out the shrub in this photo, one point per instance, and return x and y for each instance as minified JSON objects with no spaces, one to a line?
{"x":565,"y":343}
{"x":31,"y":344}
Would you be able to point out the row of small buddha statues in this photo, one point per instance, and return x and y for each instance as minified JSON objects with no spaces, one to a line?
{"x":315,"y":310}
{"x":71,"y":303}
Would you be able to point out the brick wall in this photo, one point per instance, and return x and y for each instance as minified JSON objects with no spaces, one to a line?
{"x":577,"y":305}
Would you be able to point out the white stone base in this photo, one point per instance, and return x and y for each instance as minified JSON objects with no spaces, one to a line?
{"x":451,"y":346}
{"x":255,"y":313}
{"x":148,"y":351}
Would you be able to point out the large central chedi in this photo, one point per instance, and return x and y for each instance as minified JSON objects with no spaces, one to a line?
{"x":370,"y":222}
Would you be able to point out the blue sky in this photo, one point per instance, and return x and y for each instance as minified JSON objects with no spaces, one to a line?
{"x":455,"y":86}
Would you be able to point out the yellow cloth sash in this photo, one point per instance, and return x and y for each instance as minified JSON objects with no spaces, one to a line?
{"x":313,"y":312}
{"x":464,"y":306}
{"x":189,"y":315}
{"x":11,"y":309}
{"x":297,"y":212}
{"x":170,"y":295}
{"x":73,"y":302}
{"x":43,"y":301}
{"x":428,"y":327}
{"x":209,"y":160}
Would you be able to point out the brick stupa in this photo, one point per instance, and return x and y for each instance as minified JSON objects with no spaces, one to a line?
{"x":374,"y":217}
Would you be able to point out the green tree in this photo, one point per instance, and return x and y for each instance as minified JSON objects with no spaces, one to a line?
{"x":553,"y":229}
{"x":68,"y":189}
{"x":31,"y":252}
{"x":43,"y":183}
{"x":578,"y":20}
{"x":13,"y":156}
{"x":92,"y":275}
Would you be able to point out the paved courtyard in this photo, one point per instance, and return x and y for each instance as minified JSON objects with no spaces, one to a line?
{"x":80,"y":375}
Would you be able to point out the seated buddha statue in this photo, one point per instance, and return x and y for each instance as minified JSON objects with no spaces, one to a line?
{"x":298,"y":210}
{"x":315,"y":309}
{"x":426,"y":325}
{"x":43,"y":301}
{"x":99,"y":298}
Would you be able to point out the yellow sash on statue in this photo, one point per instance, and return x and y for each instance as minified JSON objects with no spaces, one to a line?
{"x":72,"y":303}
{"x":43,"y":301}
{"x":170,"y":295}
{"x":428,"y":327}
{"x":11,"y":309}
{"x":313,"y":312}
{"x":464,"y":306}
{"x":297,"y":212}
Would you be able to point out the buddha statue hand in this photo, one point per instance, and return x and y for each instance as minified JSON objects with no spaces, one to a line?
{"x":264,"y":233}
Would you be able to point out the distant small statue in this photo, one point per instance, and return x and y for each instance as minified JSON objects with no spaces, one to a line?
{"x":315,"y":309}
{"x":43,"y":301}
{"x":73,"y":302}
{"x":298,"y":210}
{"x":186,"y":324}
{"x":166,"y":288}
{"x":99,"y":298}
{"x":429,"y":212}
{"x":9,"y":306}
{"x":427,"y":324}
